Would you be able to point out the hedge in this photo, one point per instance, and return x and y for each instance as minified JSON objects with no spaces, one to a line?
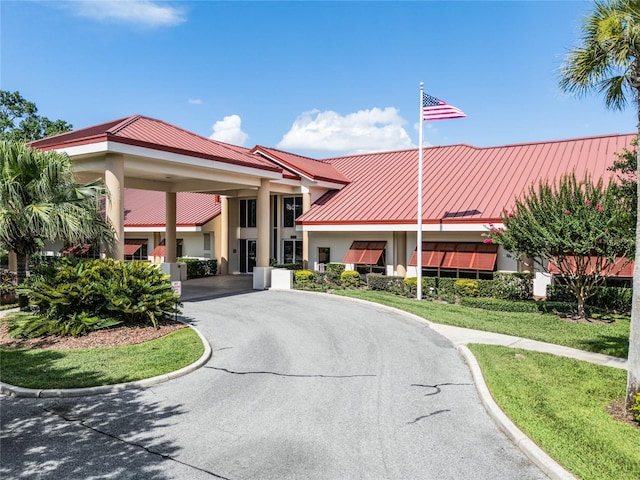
{"x":606,"y":298}
{"x":197,"y":268}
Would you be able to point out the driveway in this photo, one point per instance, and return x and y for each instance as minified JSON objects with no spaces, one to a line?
{"x":299,"y":386}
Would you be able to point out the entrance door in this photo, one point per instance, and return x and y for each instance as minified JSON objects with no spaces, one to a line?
{"x":247,"y":255}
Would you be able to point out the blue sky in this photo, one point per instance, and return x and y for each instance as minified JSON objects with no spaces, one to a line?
{"x":316,"y":78}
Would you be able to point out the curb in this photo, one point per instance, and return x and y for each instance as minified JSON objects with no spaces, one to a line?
{"x":14,"y":391}
{"x":544,"y":462}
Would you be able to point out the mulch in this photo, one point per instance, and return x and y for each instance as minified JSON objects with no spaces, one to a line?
{"x":111,"y":337}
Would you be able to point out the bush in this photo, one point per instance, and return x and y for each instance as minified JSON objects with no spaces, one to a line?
{"x":385,"y":283}
{"x":485,"y":288}
{"x":334,"y":267}
{"x":635,"y":409}
{"x":72,"y":299}
{"x":500,"y":305}
{"x":288,"y":266}
{"x":606,"y":298}
{"x":8,"y":281}
{"x":512,"y":285}
{"x":303,"y":278}
{"x":197,"y":268}
{"x":465,"y":287}
{"x":350,"y":279}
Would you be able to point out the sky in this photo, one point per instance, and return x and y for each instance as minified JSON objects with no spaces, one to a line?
{"x":319,"y":79}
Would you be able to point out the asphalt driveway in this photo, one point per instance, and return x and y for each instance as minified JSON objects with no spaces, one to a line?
{"x":299,"y":386}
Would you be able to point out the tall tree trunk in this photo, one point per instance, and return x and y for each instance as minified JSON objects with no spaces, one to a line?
{"x":633,"y":375}
{"x":21,"y":273}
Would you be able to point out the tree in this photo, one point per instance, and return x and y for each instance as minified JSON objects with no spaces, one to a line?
{"x":19,"y":121}
{"x":608,"y":62}
{"x":40,"y":200}
{"x":580,"y":228}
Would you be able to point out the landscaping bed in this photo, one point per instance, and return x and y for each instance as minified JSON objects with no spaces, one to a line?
{"x":110,"y":337}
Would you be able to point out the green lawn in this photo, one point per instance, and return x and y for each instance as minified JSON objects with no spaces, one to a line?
{"x":560,"y":403}
{"x":610,"y":339}
{"x":48,"y":368}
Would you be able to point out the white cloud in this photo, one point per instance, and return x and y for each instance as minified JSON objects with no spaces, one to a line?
{"x":229,"y":130}
{"x":195,"y":101}
{"x":364,"y":131}
{"x":139,"y":12}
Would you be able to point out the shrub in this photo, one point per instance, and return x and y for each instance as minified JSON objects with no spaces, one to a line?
{"x":385,"y":283}
{"x":334,"y":267}
{"x":635,"y":409}
{"x":303,"y":278}
{"x":605,"y":298}
{"x":8,"y":281}
{"x":485,"y":288}
{"x":288,"y":266}
{"x":72,"y":299}
{"x":512,"y":285}
{"x":350,"y":279}
{"x":465,"y":287}
{"x":197,"y":268}
{"x":500,"y":305}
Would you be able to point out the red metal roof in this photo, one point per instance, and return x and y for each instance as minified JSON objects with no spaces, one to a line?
{"x":314,"y":169}
{"x":461,"y":183}
{"x":158,"y":135}
{"x":145,"y":208}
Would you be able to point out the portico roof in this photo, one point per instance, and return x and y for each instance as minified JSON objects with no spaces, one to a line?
{"x":151,"y":133}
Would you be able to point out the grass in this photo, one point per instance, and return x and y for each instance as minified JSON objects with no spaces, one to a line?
{"x":610,"y":339}
{"x":49,"y":368}
{"x":560,"y":403}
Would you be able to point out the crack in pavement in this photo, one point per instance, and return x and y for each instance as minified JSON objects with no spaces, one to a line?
{"x":429,"y":415}
{"x":286,"y":374}
{"x":437,"y":386}
{"x":82,"y":423}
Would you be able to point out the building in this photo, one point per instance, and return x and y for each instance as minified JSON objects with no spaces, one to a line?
{"x":273,"y":206}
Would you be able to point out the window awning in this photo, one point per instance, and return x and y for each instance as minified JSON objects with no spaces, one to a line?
{"x":160,"y":250}
{"x":622,"y":267}
{"x":462,"y":256}
{"x":364,"y":253}
{"x":132,"y":246}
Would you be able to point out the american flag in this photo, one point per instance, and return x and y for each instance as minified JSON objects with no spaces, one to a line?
{"x":434,"y":109}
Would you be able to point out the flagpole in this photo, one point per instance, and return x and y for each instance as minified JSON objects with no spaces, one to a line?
{"x":419,"y":221}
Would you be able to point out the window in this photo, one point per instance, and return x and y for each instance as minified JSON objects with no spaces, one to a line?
{"x":248,"y":214}
{"x":292,"y":210}
{"x":135,"y":249}
{"x":324,"y":255}
{"x":292,"y":251}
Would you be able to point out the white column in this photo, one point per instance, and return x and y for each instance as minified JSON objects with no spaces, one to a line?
{"x":306,"y":205}
{"x":114,"y":181}
{"x":263,"y":224}
{"x":170,"y":228}
{"x":223,"y":258}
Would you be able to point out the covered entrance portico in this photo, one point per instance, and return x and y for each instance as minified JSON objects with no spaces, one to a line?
{"x":148,"y":154}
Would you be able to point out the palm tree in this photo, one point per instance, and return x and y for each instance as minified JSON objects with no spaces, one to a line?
{"x":608,"y":61}
{"x":40,"y":200}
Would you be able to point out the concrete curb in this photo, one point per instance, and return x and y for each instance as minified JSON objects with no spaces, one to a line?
{"x":547,"y":464}
{"x":14,"y":391}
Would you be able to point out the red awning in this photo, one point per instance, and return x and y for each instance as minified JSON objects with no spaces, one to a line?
{"x":462,"y":256}
{"x":364,"y":253}
{"x":159,"y":251}
{"x":131,"y":248}
{"x":622,"y":267}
